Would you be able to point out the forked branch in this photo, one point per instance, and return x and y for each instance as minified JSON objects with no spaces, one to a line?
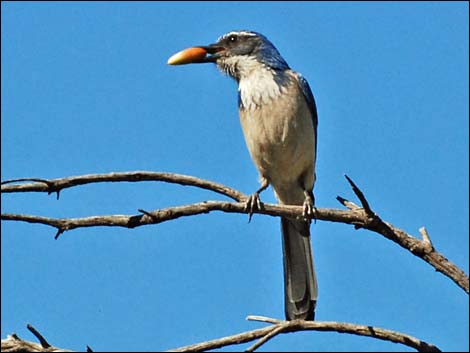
{"x":360,"y":217}
{"x":278,"y":326}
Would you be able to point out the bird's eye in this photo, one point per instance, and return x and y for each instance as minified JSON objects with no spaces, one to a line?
{"x":232,"y":39}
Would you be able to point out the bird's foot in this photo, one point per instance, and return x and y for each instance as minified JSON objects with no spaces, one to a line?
{"x":309,"y":211}
{"x":252,"y":204}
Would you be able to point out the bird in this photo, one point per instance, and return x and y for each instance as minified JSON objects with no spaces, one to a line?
{"x":278,"y":116}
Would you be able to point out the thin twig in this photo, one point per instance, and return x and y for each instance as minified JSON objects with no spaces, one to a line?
{"x":40,"y":337}
{"x":20,"y":180}
{"x":360,"y":196}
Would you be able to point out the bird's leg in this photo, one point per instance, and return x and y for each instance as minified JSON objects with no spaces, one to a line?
{"x":253,"y":202}
{"x":309,"y":209}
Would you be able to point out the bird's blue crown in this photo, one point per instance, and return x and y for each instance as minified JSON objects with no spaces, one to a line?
{"x":254,"y":44}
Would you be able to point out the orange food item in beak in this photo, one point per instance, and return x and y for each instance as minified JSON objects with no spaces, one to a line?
{"x":187,"y":56}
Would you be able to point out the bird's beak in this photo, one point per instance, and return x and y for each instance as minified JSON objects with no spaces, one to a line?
{"x":196,"y":55}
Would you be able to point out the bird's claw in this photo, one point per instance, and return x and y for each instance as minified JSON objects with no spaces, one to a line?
{"x":309,"y":211}
{"x":252,"y":204}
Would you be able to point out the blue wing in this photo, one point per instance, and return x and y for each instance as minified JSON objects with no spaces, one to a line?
{"x":305,"y":88}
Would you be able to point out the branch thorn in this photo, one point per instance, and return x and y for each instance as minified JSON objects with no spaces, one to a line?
{"x":59,"y":232}
{"x":426,"y":239}
{"x":147,"y":213}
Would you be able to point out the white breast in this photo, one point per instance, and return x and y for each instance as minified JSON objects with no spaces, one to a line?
{"x":278,"y":130}
{"x":260,"y":89}
{"x":257,"y":83}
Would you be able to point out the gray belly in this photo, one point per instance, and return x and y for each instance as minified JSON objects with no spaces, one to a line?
{"x":281,"y":144}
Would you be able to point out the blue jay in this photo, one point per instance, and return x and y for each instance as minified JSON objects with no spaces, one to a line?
{"x":279,"y":120}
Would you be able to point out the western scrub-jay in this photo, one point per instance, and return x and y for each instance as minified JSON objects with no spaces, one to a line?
{"x":279,"y":120}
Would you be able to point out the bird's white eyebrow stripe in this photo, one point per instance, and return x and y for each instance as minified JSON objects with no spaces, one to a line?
{"x":243,"y":33}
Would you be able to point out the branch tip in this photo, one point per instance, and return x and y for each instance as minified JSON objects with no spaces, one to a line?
{"x":263,"y":319}
{"x":359,"y":195}
{"x":56,"y":191}
{"x":38,"y":180}
{"x":42,"y":340}
{"x":346,"y":203}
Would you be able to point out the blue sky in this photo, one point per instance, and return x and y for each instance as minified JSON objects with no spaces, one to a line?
{"x":86,"y":89}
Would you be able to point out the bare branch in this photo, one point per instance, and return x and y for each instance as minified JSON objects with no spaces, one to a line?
{"x":421,"y":248}
{"x":167,"y":214}
{"x":55,"y":185}
{"x":359,"y":217}
{"x":266,"y":333}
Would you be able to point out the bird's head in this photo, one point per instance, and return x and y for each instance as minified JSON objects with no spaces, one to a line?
{"x":237,"y":53}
